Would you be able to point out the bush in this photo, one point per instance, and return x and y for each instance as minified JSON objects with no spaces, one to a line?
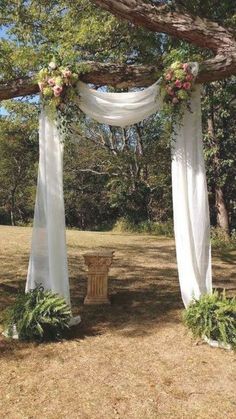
{"x":213,"y":316}
{"x":124,"y":225}
{"x":220,"y":240}
{"x":38,"y":315}
{"x":149,"y":227}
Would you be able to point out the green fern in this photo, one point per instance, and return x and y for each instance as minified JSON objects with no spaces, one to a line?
{"x":213,"y":316}
{"x":38,"y":315}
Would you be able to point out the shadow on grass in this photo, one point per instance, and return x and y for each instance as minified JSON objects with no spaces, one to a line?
{"x":138,"y":302}
{"x":225,"y":255}
{"x":143,"y":295}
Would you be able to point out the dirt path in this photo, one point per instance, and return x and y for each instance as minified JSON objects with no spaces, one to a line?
{"x":132,"y":360}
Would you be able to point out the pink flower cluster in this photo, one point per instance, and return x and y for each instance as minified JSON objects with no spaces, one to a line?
{"x":56,"y":83}
{"x":178,"y":78}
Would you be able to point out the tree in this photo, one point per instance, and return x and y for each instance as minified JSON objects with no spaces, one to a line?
{"x":18,"y":149}
{"x":37,"y":40}
{"x":220,"y":150}
{"x":112,"y":172}
{"x":173,"y":19}
{"x":127,"y":55}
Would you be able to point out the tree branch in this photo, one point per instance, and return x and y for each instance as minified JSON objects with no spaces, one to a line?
{"x":95,"y":172}
{"x":123,"y":76}
{"x":198,"y":31}
{"x":161,"y":18}
{"x":155,"y":17}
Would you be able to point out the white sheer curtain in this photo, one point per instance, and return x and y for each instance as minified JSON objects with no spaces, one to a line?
{"x":48,"y":261}
{"x":190,"y":205}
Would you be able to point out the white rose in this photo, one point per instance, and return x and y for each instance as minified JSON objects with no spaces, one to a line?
{"x":52,"y":65}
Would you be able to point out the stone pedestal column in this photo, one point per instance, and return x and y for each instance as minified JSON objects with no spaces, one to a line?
{"x":98,"y":264}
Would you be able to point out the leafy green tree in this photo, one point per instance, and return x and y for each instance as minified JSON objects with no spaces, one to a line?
{"x":18,"y":163}
{"x":220,"y":150}
{"x":113,"y":172}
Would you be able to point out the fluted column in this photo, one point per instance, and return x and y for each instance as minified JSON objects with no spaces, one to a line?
{"x":98,"y":264}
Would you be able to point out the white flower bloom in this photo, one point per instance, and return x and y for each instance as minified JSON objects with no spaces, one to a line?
{"x":52,"y":65}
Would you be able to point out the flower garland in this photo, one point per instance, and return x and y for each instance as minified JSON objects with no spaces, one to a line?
{"x":57,"y":85}
{"x":178,"y":84}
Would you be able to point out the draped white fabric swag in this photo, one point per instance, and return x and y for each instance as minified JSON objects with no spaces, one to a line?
{"x":48,"y":260}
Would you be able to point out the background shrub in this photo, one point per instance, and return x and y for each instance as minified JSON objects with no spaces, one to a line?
{"x":150,"y":227}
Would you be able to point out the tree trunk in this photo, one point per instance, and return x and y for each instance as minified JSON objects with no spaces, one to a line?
{"x":221,"y":210}
{"x":222,"y":213}
{"x":12,"y":210}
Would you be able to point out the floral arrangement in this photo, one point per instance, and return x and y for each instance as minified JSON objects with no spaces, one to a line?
{"x":57,"y":85}
{"x":178,"y":83}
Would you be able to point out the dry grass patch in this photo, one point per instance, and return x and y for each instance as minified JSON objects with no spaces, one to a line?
{"x":134,"y":359}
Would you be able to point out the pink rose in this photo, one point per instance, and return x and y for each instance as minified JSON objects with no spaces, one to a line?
{"x":67,"y":73}
{"x":168,"y":76}
{"x":187,"y":85}
{"x":51,"y":82}
{"x":189,"y":77}
{"x":175,"y":100}
{"x":57,"y":90}
{"x":185,"y":67}
{"x":178,"y":84}
{"x":170,"y":91}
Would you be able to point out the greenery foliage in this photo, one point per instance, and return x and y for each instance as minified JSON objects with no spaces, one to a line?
{"x":149,"y":227}
{"x":220,"y":240}
{"x":18,"y":162}
{"x":109,"y":173}
{"x":213,"y":316}
{"x":38,"y":315}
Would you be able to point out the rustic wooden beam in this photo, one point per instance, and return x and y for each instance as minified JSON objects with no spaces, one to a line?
{"x":120,"y":76}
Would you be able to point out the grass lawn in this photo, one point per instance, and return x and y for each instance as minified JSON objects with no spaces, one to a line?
{"x":134,"y":359}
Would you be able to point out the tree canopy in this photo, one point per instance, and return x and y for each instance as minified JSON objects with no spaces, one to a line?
{"x":81,"y":32}
{"x":112,"y":173}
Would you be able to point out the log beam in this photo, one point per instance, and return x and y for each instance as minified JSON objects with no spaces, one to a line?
{"x":121,"y":76}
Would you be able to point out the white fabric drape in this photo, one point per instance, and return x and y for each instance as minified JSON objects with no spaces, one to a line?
{"x":119,"y":109}
{"x":190,"y":205}
{"x":48,"y":261}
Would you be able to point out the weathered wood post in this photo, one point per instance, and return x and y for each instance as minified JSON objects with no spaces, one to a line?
{"x":98,"y":263}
